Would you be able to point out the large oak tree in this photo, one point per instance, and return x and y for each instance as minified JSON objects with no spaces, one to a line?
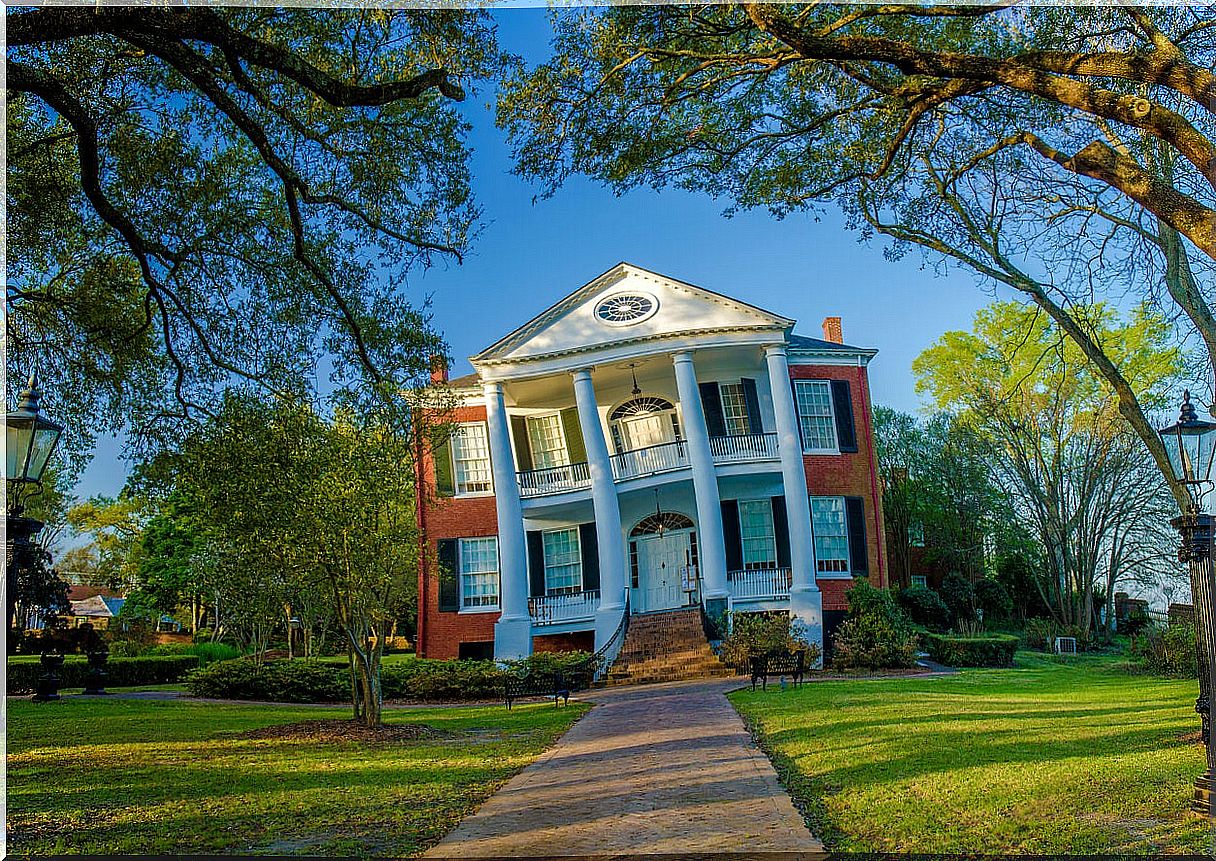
{"x":201,"y":196}
{"x":1065,"y":152}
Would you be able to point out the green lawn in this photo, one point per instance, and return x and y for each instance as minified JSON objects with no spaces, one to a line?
{"x":1054,"y":756}
{"x":130,"y":776}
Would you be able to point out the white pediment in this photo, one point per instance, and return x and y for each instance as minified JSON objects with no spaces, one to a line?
{"x":624,"y":305}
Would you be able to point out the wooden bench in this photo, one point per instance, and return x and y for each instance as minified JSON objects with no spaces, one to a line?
{"x":764,"y":666}
{"x":536,"y":685}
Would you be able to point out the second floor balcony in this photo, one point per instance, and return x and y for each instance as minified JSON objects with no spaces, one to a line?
{"x":649,"y":460}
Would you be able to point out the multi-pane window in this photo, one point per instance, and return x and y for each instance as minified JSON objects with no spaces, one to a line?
{"x":831,"y":533}
{"x":920,"y":580}
{"x":756,"y":528}
{"x":478,"y":572}
{"x":547,"y":442}
{"x":814,"y":401}
{"x":734,"y":409}
{"x":563,"y":562}
{"x":471,"y":454}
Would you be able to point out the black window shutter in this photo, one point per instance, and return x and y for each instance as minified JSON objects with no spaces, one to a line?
{"x":859,"y":557}
{"x":711,"y":402}
{"x":589,"y":546}
{"x":732,"y":536}
{"x":449,"y":576}
{"x":445,"y":478}
{"x":536,"y":564}
{"x":754,"y":423}
{"x":523,"y":451}
{"x":842,"y":403}
{"x":781,"y":529}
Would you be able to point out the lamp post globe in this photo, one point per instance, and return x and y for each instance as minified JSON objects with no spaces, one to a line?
{"x":1190,"y":444}
{"x":30,"y":440}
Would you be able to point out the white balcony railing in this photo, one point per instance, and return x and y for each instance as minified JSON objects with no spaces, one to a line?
{"x":553,"y":479}
{"x":744,"y":447}
{"x":760,"y":583}
{"x":572,"y":607}
{"x":647,"y":461}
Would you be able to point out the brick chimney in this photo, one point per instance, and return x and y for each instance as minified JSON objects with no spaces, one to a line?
{"x":832,"y":331}
{"x":439,"y":369}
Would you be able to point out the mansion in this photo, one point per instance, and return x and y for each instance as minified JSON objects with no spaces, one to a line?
{"x":646,"y":445}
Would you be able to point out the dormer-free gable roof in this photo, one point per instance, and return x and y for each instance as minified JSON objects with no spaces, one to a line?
{"x":572,"y":325}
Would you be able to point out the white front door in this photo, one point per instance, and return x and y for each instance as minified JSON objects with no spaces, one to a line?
{"x":663,"y":563}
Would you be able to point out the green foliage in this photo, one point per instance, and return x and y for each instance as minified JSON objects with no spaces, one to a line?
{"x":552,"y":662}
{"x":754,"y":635}
{"x":207,"y":653}
{"x":993,"y":650}
{"x":994,"y":600}
{"x":120,"y":671}
{"x":167,"y":574}
{"x":876,"y":634}
{"x":925,"y":607}
{"x":1167,"y":652}
{"x":229,"y":238}
{"x":959,"y":597}
{"x":304,"y":681}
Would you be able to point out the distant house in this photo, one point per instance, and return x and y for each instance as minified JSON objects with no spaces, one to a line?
{"x":97,"y":606}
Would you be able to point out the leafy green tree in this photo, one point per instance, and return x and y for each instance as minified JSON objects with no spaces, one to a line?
{"x":202,"y":196}
{"x":1058,"y":444}
{"x":116,"y":526}
{"x":168,"y":576}
{"x":1059,"y":151}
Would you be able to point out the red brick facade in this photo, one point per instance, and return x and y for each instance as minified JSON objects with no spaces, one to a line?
{"x":440,"y":634}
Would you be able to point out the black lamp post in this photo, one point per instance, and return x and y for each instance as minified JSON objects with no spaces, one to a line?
{"x":30,"y":439}
{"x":1190,"y":444}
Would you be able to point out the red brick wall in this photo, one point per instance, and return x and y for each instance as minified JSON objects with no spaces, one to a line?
{"x":576,"y":641}
{"x":851,"y":474}
{"x":832,"y":592}
{"x":440,"y":634}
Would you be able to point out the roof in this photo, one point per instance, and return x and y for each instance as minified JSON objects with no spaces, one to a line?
{"x":802,"y":342}
{"x":570,"y":326}
{"x":465,"y":381}
{"x":79,"y":593}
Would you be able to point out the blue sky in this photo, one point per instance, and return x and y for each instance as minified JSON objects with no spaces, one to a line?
{"x":530,"y":255}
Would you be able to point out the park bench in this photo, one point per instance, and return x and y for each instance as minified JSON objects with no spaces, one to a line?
{"x":783,"y":664}
{"x":519,"y":687}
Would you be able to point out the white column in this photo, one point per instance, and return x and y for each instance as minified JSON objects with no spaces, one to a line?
{"x":806,"y":603}
{"x":711,"y":546}
{"x":608,"y":533}
{"x":513,"y":631}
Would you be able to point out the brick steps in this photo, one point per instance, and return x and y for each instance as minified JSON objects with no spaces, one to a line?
{"x":665,"y":647}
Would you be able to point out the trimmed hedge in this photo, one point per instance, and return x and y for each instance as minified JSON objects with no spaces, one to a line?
{"x":328,"y":681}
{"x":990,"y":650}
{"x":120,"y":672}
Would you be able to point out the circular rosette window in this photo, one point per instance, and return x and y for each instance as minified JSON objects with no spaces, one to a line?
{"x":623,"y":309}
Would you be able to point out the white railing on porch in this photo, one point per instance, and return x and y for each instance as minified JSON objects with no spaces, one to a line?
{"x":647,"y":461}
{"x":760,"y":583}
{"x":744,"y":447}
{"x":572,"y":607}
{"x":553,"y":479}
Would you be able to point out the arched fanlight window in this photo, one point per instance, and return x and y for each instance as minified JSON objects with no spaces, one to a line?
{"x":643,"y":406}
{"x":660,"y":522}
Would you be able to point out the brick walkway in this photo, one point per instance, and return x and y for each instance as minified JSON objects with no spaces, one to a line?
{"x":663,"y":769}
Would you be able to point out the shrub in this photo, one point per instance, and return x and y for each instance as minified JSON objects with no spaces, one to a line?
{"x":281,"y":681}
{"x":959,"y":595}
{"x":925,"y":607}
{"x":876,"y":634}
{"x":551,"y":662}
{"x":120,"y":672}
{"x":303,"y":681}
{"x":754,"y":635}
{"x":994,"y":600}
{"x":1169,"y":652}
{"x":989,"y":650}
{"x":208,"y":653}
